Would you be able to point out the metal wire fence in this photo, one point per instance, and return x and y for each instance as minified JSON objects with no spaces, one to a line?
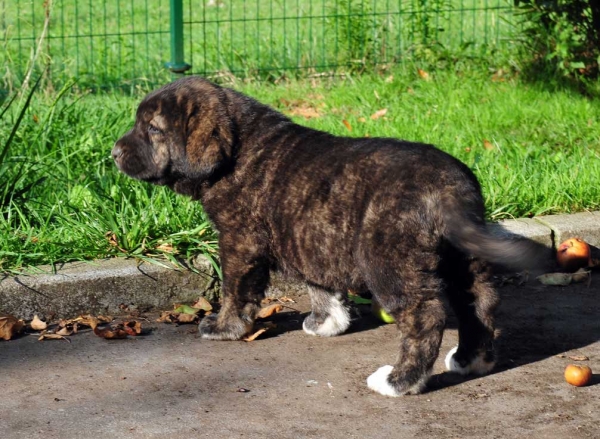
{"x":129,"y":41}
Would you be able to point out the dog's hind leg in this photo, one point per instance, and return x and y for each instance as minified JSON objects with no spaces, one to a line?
{"x":329,"y":316}
{"x":474,"y":301}
{"x":411,"y":295}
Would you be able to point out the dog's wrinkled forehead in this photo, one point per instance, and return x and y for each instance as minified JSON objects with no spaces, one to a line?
{"x":156,"y":106}
{"x":174,"y":102}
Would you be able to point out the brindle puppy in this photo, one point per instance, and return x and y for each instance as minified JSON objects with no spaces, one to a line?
{"x":402,"y":220}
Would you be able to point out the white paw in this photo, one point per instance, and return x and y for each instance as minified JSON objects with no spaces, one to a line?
{"x":452,"y":365}
{"x":478,"y":366}
{"x":378,"y":381}
{"x":336,"y":322}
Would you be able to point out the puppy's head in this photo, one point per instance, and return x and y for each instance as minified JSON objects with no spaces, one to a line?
{"x":182,"y":134}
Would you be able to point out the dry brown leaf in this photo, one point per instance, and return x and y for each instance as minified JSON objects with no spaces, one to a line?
{"x":177,"y":317}
{"x":113,"y":241}
{"x":347,"y":124}
{"x":305,"y":112}
{"x":255,"y":335}
{"x":132,"y":327}
{"x":10,"y":326}
{"x":379,"y":113}
{"x":269,"y":311}
{"x":423,"y":74}
{"x":487,"y":144}
{"x":166,"y":317}
{"x":85,"y":320}
{"x":47,"y":336}
{"x":167,"y":248}
{"x":186,"y":318}
{"x":106,"y":319}
{"x":283,"y":299}
{"x":64,"y":331}
{"x":202,"y":304}
{"x":110,"y":333}
{"x":581,"y":275}
{"x":37,"y":325}
{"x":90,"y":321}
{"x":578,"y":357}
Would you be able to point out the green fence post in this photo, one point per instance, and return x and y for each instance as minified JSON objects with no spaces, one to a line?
{"x":177,"y":64}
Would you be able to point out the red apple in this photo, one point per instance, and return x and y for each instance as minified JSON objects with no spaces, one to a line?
{"x":573,"y":254}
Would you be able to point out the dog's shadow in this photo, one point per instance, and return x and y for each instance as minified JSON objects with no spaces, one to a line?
{"x":535,"y":322}
{"x":538,"y":322}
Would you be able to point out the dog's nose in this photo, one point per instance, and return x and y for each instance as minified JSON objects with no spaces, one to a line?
{"x":117,"y":152}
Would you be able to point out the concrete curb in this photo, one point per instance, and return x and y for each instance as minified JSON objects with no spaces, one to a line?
{"x":103,"y":286}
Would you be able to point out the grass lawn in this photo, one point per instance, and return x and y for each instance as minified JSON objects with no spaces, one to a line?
{"x":534,"y":151}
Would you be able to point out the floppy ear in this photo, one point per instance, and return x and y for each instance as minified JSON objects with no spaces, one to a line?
{"x":209,"y":131}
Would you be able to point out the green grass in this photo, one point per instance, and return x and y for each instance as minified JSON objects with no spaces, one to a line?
{"x":534,"y":151}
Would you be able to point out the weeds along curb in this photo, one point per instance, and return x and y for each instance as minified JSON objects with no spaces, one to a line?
{"x":106,"y":286}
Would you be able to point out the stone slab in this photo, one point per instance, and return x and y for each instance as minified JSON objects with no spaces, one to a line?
{"x":585,"y":225}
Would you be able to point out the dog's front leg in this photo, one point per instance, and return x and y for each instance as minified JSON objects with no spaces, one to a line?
{"x":245,"y":277}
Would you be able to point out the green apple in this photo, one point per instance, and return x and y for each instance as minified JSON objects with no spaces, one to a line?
{"x":380,"y":313}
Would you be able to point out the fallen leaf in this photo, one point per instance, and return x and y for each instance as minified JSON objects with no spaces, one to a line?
{"x":347,"y":124}
{"x":255,"y":335}
{"x":113,"y":241}
{"x":283,"y":299}
{"x":555,"y":279}
{"x":379,"y":113}
{"x":362,"y":119}
{"x":37,"y":325}
{"x":48,"y":336}
{"x":110,"y":333}
{"x":132,"y":327}
{"x":580,"y":275}
{"x":166,"y":317}
{"x":186,"y":318}
{"x":269,"y":311}
{"x":10,"y":326}
{"x":85,"y":320}
{"x":186,"y":309}
{"x":423,"y":74}
{"x":305,"y":112}
{"x":202,"y":304}
{"x":359,"y":300}
{"x":487,"y":144}
{"x":167,"y":248}
{"x":65,"y":331}
{"x":88,"y":320}
{"x":498,"y":76}
{"x":578,"y":357}
{"x":389,"y":79}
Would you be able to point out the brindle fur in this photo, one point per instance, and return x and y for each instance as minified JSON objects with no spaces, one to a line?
{"x":402,"y":220}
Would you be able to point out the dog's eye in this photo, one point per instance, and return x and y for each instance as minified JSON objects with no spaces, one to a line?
{"x":153,"y":130}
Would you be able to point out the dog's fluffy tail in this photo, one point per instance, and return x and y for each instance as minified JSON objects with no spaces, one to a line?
{"x":510,"y":251}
